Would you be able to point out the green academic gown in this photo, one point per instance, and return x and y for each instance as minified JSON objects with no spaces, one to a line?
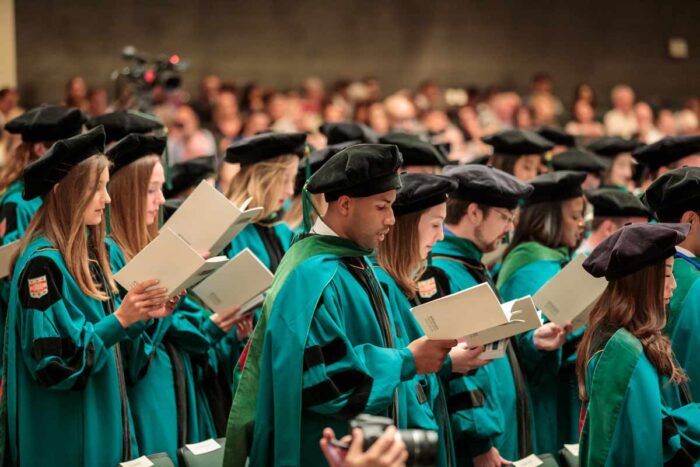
{"x":322,"y":353}
{"x":628,"y":419}
{"x":161,"y":378}
{"x":684,"y":319}
{"x":16,"y":212}
{"x":459,"y":262}
{"x":426,"y":404}
{"x":550,"y":376}
{"x":268,"y":243}
{"x":67,"y":401}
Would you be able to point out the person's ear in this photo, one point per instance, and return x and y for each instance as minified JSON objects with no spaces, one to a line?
{"x":474,"y":214}
{"x":344,"y":204}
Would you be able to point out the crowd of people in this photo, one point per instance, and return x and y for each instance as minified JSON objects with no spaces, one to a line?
{"x":372,"y":204}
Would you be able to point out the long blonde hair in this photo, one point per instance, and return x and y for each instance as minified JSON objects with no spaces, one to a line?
{"x":129,"y":192}
{"x":399,"y":253}
{"x":60,"y":220}
{"x":261,"y":181}
{"x":16,"y":163}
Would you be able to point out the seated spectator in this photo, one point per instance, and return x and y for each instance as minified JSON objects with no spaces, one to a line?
{"x":186,"y":140}
{"x":584,"y":125}
{"x":621,"y":119}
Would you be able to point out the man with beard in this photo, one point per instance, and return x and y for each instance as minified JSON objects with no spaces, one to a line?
{"x":324,"y":349}
{"x":480,"y":214}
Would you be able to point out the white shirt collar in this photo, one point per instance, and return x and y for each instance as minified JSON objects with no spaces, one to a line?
{"x":684,"y":251}
{"x":321,"y":228}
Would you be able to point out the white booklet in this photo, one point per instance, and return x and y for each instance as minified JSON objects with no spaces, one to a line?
{"x":208,"y":220}
{"x":521,"y":316}
{"x":242,"y":279}
{"x":6,"y":254}
{"x":570,"y":295}
{"x":172,"y":261}
{"x":469,"y":312}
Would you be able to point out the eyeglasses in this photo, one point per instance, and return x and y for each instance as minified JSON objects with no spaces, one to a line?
{"x":506,"y":216}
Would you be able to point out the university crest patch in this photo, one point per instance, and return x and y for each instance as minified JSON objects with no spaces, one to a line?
{"x":427,"y":288}
{"x":38,"y":287}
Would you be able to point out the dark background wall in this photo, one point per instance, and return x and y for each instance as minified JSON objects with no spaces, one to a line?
{"x":400,"y":41}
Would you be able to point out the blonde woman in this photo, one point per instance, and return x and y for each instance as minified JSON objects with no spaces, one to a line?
{"x":420,"y":210}
{"x":269,"y":164}
{"x":65,"y":377}
{"x":161,"y":367}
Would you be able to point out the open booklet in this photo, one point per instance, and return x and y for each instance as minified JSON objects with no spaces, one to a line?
{"x":570,"y":295}
{"x":476,"y":315}
{"x":6,"y":253}
{"x":208,"y":220}
{"x":240,"y":281}
{"x":172,"y":261}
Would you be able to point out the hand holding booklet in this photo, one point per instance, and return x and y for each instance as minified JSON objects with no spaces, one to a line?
{"x":476,"y":315}
{"x":239,"y":282}
{"x":208,"y":220}
{"x":172,"y":261}
{"x":570,"y":295}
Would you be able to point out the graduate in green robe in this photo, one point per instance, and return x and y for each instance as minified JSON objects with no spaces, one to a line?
{"x":269,"y":164}
{"x":621,"y":167}
{"x":165,"y":368}
{"x":625,"y":365}
{"x":550,"y":226}
{"x":518,"y":152}
{"x":420,"y":212}
{"x":39,"y":128}
{"x":675,"y":197}
{"x":479,"y":215}
{"x":66,"y":395}
{"x":325,"y":348}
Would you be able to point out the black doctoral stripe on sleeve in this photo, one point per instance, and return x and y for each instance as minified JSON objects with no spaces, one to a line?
{"x":466,"y":400}
{"x":336,"y":386}
{"x":65,"y":349}
{"x":9,"y":214}
{"x":42,"y":268}
{"x":328,"y":354}
{"x":686,"y":455}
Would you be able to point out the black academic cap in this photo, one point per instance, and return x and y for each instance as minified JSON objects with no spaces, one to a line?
{"x":265,"y":146}
{"x":421,"y":191}
{"x":414,"y":150}
{"x":133,"y":147}
{"x":580,"y":159}
{"x":667,"y":150}
{"x":558,"y":137}
{"x":358,"y":171}
{"x":120,"y":124}
{"x":611,"y":146}
{"x":674,"y":193}
{"x":556,"y":186}
{"x":170,"y":206}
{"x":316,"y":159}
{"x":348,"y":131}
{"x":517,"y":142}
{"x":488,"y":185}
{"x":190,"y":173}
{"x":41,"y":175}
{"x":47,"y":123}
{"x":634,"y":247}
{"x":610,"y":202}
